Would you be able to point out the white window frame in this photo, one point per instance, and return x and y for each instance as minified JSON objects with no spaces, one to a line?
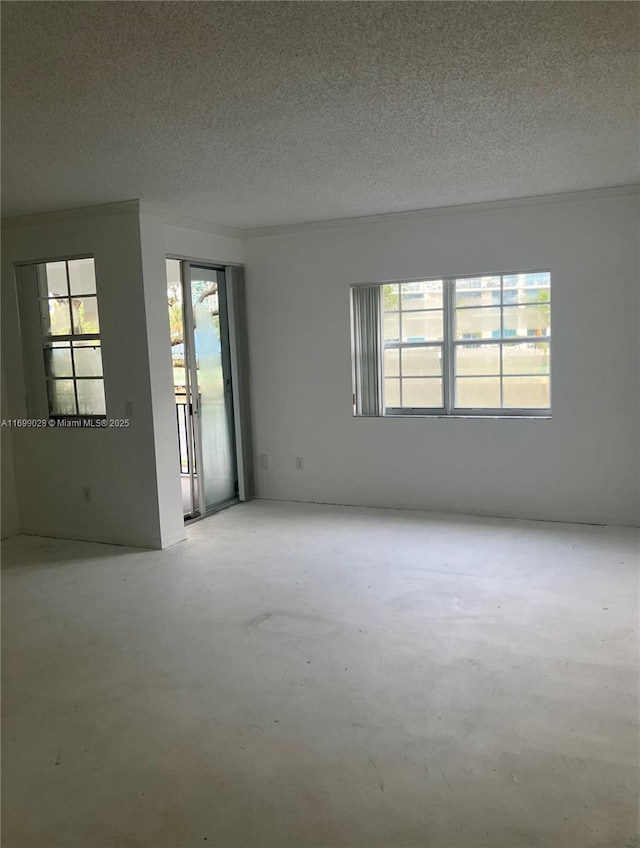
{"x":448,"y":346}
{"x":35,"y":341}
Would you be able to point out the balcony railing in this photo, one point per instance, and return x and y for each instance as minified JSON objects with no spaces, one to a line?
{"x":185,"y":444}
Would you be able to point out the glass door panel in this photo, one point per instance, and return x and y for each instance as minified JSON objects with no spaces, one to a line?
{"x":182,"y":389}
{"x":211,"y":380}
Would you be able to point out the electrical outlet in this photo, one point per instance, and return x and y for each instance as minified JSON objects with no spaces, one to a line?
{"x":86,"y":494}
{"x":299,"y":463}
{"x":264,"y":461}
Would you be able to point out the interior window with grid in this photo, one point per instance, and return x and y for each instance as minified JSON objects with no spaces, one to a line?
{"x":413,"y":344}
{"x":507,"y":366}
{"x":70,"y":329}
{"x":453,"y":346}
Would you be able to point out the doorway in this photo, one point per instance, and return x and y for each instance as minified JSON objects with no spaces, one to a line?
{"x":203,"y":386}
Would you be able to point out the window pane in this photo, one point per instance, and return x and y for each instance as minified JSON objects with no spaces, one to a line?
{"x":478,"y":359}
{"x":392,"y":393}
{"x":526,"y":288}
{"x":391,"y":363}
{"x":421,"y":361}
{"x":391,"y":297}
{"x":525,"y":392}
{"x":91,"y":397}
{"x":478,"y":291}
{"x":422,"y":326}
{"x":525,"y":358}
{"x":392,"y":327}
{"x":422,"y":393}
{"x":56,"y":320}
{"x":82,"y":279}
{"x":53,"y":280}
{"x":478,"y":392}
{"x":85,"y":315}
{"x":87,"y":357}
{"x":422,"y":295}
{"x":526,"y":320}
{"x":57,"y":360}
{"x":62,"y":400}
{"x":478,"y":323}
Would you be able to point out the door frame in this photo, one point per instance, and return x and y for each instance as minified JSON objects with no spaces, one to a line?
{"x":191,"y":385}
{"x":232,"y":372}
{"x":187,"y":268}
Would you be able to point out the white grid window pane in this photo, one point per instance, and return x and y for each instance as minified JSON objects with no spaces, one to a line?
{"x":525,"y":358}
{"x":421,"y":361}
{"x":85,"y":315}
{"x":417,"y":392}
{"x":391,"y":297}
{"x":62,"y":398}
{"x":56,"y":319}
{"x":478,"y":392}
{"x":53,"y":280}
{"x":477,"y":291}
{"x":526,"y":392}
{"x":392,"y":392}
{"x":478,"y":323}
{"x":392,"y":362}
{"x":478,"y":360}
{"x":391,"y":325}
{"x":82,"y":276}
{"x":421,"y":295}
{"x":69,"y":307}
{"x":531,"y":321}
{"x":468,"y":344}
{"x":90,"y":397}
{"x":58,"y":360}
{"x":422,"y":326}
{"x":87,"y":359}
{"x":526,"y":288}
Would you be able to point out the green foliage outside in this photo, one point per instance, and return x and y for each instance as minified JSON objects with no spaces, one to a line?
{"x":544,"y":310}
{"x":544,"y":313}
{"x":175,"y":322}
{"x":391,"y":298}
{"x":59,"y":319}
{"x":391,"y":302}
{"x":85,"y":326}
{"x":202,"y":291}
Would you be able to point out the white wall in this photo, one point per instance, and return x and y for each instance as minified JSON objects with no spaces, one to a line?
{"x":52,"y":466}
{"x":158,"y":239}
{"x":133,"y":473}
{"x":163,"y":405}
{"x":582,"y":465}
{"x":9,"y":524}
{"x":199,"y":244}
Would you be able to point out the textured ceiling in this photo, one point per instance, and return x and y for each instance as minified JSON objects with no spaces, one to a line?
{"x":252,"y":114}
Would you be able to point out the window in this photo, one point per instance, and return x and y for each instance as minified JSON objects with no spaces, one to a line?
{"x":455,"y":346}
{"x":66,"y":331}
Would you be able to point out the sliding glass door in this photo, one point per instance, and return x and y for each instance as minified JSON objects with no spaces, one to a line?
{"x":202,"y":385}
{"x":211,"y":375}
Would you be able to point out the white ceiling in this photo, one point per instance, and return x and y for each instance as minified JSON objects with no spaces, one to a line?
{"x":254,"y":114}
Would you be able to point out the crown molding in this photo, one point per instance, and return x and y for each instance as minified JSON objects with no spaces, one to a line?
{"x":172,"y":219}
{"x":124,"y":207}
{"x":185,"y":222}
{"x":144,"y":207}
{"x":389,"y":217}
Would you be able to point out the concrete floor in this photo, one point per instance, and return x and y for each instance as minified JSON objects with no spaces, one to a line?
{"x":300,"y":675}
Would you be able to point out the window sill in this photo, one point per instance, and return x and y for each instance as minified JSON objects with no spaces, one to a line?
{"x":478,"y":417}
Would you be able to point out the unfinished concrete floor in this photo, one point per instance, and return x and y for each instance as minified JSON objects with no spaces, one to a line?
{"x":300,"y":675}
